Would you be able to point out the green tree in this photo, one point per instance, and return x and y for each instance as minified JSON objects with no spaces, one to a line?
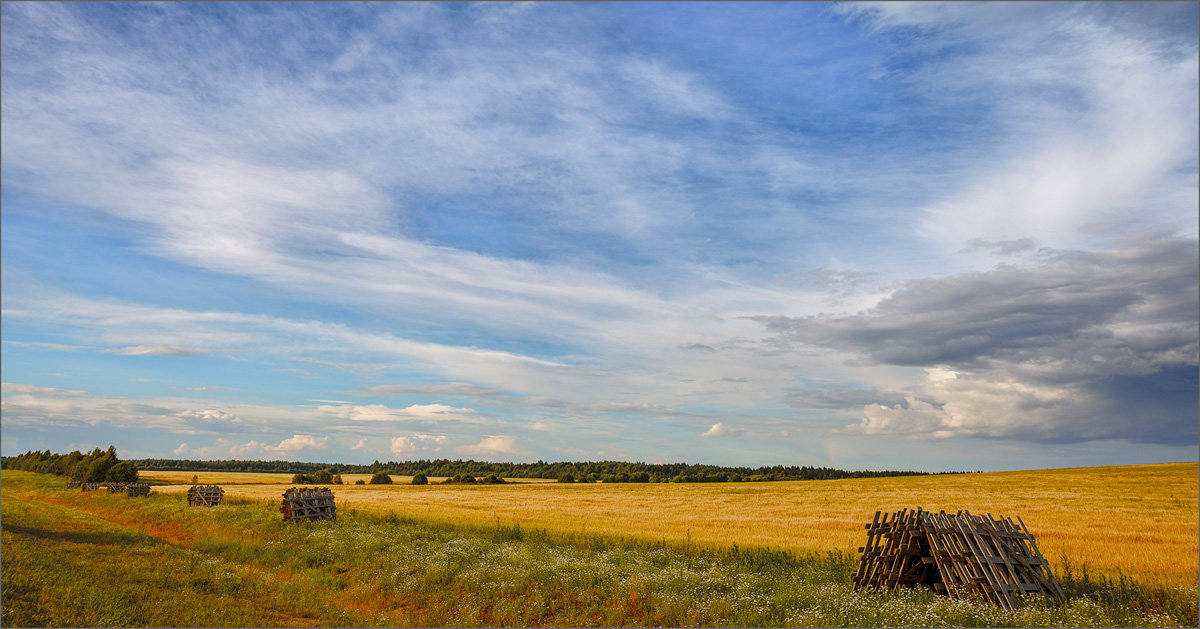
{"x":420,"y":479}
{"x":566,"y":477}
{"x":322,"y":477}
{"x":122,"y":472}
{"x":381,"y":478}
{"x":301,"y":479}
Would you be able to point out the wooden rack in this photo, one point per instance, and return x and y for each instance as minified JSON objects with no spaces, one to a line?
{"x":956,"y":554}
{"x":205,"y":495}
{"x":137,"y":489}
{"x":301,"y":504}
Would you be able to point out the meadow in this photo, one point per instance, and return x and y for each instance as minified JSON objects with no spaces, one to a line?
{"x":448,"y":556}
{"x":1138,"y":521}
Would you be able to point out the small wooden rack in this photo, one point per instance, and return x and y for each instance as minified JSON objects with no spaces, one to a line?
{"x":117,"y":488}
{"x":301,"y":504}
{"x":72,"y":484}
{"x":955,"y":554}
{"x":205,"y":495}
{"x":137,"y":489}
{"x":89,"y":486}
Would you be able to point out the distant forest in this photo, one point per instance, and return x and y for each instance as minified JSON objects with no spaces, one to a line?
{"x":591,"y":471}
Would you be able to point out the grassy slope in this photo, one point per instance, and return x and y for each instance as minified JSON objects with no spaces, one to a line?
{"x":1139,"y":521}
{"x":92,"y":559}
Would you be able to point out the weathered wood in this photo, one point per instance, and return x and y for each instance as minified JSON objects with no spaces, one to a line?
{"x":959,"y":555}
{"x":137,"y":489}
{"x":205,"y":495}
{"x":89,"y":486}
{"x":302,"y":504}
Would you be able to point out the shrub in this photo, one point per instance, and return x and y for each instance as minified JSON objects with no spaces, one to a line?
{"x":301,"y":479}
{"x":381,"y":478}
{"x":492,"y":479}
{"x":465,"y":479}
{"x":337,"y":479}
{"x":566,"y":477}
{"x":322,"y":477}
{"x":360,"y":482}
{"x":420,"y":479}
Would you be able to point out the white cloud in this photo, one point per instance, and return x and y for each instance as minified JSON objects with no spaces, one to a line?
{"x":157,"y":350}
{"x":408,"y":444}
{"x":415,"y":412}
{"x":14,"y":387}
{"x":290,"y":447}
{"x":491,"y":447}
{"x":721,"y":430}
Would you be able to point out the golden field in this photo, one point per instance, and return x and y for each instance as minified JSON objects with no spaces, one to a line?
{"x":262,"y":478}
{"x":1140,"y":521}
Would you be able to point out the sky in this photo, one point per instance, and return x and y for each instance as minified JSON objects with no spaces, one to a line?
{"x":867,"y":236}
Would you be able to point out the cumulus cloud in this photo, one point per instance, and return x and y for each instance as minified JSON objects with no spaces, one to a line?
{"x":1091,"y":346}
{"x":491,"y":447}
{"x":721,"y":430}
{"x":408,"y":444}
{"x":286,"y":448}
{"x":209,"y":419}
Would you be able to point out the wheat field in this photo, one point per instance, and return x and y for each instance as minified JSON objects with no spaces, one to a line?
{"x":1139,"y":521}
{"x":267,"y":478}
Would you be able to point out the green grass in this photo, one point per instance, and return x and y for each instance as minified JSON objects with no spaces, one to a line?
{"x":89,"y":559}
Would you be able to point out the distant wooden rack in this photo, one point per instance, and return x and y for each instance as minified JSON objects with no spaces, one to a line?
{"x":116,"y":488}
{"x":301,"y":504}
{"x":956,"y":554}
{"x":205,"y":495}
{"x":89,"y":486}
{"x":137,"y":489}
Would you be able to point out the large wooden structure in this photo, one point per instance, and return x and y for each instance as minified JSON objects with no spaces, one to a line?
{"x":205,"y":495}
{"x":302,"y":504}
{"x":957,"y":555}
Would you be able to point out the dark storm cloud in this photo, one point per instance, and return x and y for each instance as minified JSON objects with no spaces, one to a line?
{"x":1088,"y":346}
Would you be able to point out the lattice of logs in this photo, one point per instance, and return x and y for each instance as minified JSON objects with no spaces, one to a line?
{"x":89,"y":486}
{"x":137,"y":489}
{"x":302,"y":504}
{"x":959,"y":555}
{"x":116,"y":488}
{"x":205,"y":495}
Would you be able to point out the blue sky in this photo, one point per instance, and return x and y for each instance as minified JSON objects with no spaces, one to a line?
{"x":926,"y":236}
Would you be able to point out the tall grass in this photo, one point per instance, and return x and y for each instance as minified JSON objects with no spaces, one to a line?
{"x":89,"y":559}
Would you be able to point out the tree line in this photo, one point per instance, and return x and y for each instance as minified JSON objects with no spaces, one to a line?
{"x":97,"y":466}
{"x":587,"y":471}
